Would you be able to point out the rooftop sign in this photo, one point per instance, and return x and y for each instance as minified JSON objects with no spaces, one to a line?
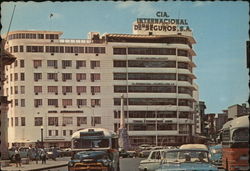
{"x":162,"y":23}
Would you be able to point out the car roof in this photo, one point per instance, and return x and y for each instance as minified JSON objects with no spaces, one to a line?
{"x":172,"y":150}
{"x":194,"y":146}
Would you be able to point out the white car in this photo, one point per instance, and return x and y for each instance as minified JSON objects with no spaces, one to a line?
{"x":153,"y":161}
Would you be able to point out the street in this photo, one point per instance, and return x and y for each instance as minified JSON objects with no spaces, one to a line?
{"x":126,"y":164}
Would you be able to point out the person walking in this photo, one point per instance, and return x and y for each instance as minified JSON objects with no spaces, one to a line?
{"x":54,"y":153}
{"x":43,"y":156}
{"x":37,"y":155}
{"x":17,"y":158}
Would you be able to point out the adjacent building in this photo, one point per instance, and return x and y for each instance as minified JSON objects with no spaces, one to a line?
{"x":57,"y":86}
{"x":237,"y":110}
{"x":5,"y":59}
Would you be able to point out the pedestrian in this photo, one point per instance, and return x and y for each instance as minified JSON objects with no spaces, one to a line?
{"x":30,"y":153}
{"x":54,"y":153}
{"x":37,"y":155}
{"x":43,"y":156}
{"x":17,"y":158}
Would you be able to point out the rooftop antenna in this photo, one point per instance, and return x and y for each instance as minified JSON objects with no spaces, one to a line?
{"x":10,"y":23}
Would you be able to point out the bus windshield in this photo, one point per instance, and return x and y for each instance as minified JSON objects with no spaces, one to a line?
{"x":90,"y":143}
{"x":241,"y":134}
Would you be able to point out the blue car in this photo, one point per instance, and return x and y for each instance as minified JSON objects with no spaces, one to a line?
{"x":186,"y":160}
{"x":216,"y":155}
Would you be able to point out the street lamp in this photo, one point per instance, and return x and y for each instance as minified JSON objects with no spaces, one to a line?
{"x":42,"y":136}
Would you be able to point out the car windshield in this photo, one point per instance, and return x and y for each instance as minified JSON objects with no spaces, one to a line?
{"x":91,"y":143}
{"x":180,"y":156}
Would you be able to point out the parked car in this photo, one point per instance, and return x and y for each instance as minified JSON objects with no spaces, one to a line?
{"x":216,"y":155}
{"x":22,"y":150}
{"x":152,"y":162}
{"x":186,"y":159}
{"x":144,"y":153}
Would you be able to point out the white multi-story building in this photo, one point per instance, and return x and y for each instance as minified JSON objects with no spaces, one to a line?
{"x":58,"y":86}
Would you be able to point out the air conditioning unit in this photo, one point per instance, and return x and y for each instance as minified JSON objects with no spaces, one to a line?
{"x":79,"y":93}
{"x":64,"y":106}
{"x":63,"y":124}
{"x":36,"y":79}
{"x":78,"y":80}
{"x":36,"y":106}
{"x":64,"y":80}
{"x":96,"y":54}
{"x":93,"y":93}
{"x":52,"y":54}
{"x":76,"y":54}
{"x":56,"y":105}
{"x":56,"y":93}
{"x":56,"y":79}
{"x":64,"y":93}
{"x":36,"y":93}
{"x":79,"y":106}
{"x":55,"y":67}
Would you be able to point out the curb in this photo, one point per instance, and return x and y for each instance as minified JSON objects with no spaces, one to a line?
{"x":49,"y":167}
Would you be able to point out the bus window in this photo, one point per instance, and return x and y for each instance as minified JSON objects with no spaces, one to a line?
{"x":241,"y":134}
{"x":226,"y":135}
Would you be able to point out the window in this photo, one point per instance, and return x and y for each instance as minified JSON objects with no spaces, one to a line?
{"x":80,"y":64}
{"x":64,"y":132}
{"x":37,"y":89}
{"x":67,"y":121}
{"x":80,"y":89}
{"x":16,"y":76}
{"x":22,"y":89}
{"x":51,"y":36}
{"x":40,"y":36}
{"x":70,"y":132}
{"x":66,"y":76}
{"x":56,"y":132}
{"x":95,"y":102}
{"x":34,"y":49}
{"x":66,"y":63}
{"x":11,"y":121}
{"x":16,"y":89}
{"x":52,"y":63}
{"x":95,"y":120}
{"x":50,"y":132}
{"x":66,"y":89}
{"x":151,"y":51}
{"x":55,"y":49}
{"x":74,"y":49}
{"x":81,"y":120}
{"x":94,"y":64}
{"x":22,"y":102}
{"x":16,"y":102}
{"x":80,"y":76}
{"x":53,"y":102}
{"x":37,"y":76}
{"x":21,"y":48}
{"x":38,"y":121}
{"x":52,"y":89}
{"x":95,"y":89}
{"x":94,"y":49}
{"x":22,"y":121}
{"x":15,"y":48}
{"x":81,"y":102}
{"x":52,"y":76}
{"x":21,"y":63}
{"x":22,"y":75}
{"x":95,"y":76}
{"x":16,"y":121}
{"x":37,"y":63}
{"x":38,"y":102}
{"x":53,"y":121}
{"x":119,"y":51}
{"x":67,"y":102}
{"x":119,"y":63}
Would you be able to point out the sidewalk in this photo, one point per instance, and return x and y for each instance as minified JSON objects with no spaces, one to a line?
{"x":32,"y":166}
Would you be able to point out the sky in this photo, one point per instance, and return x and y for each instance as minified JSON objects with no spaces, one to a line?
{"x":220,"y":29}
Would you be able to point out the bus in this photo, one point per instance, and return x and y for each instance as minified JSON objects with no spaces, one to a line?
{"x":235,"y":144}
{"x":94,"y":149}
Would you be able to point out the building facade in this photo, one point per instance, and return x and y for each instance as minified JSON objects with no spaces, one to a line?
{"x":58,"y":86}
{"x":5,"y":59}
{"x":237,"y":110}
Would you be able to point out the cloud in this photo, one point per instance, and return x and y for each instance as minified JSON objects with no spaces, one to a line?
{"x":141,"y":9}
{"x":200,"y":3}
